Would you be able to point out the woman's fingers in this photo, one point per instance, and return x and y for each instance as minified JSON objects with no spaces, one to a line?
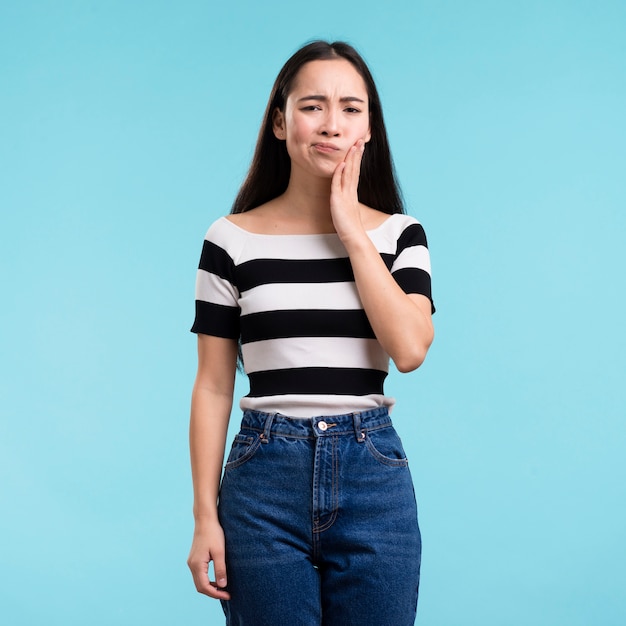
{"x":336,"y":184}
{"x":346,"y":175}
{"x":200,"y":572}
{"x":353,"y":166}
{"x":344,"y":199}
{"x":357,"y":157}
{"x":208,"y":587}
{"x":219,"y":566}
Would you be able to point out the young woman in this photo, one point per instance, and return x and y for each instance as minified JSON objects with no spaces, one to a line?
{"x":315,"y":280}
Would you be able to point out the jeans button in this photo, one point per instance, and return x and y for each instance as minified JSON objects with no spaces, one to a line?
{"x":322,"y":426}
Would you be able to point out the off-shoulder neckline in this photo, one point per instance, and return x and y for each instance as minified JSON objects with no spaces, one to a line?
{"x":299,"y":235}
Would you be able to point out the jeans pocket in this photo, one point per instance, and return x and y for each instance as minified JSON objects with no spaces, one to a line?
{"x":243,"y":449}
{"x":385,"y":446}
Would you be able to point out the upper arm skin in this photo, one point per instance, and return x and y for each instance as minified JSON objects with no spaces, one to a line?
{"x":217,"y":362}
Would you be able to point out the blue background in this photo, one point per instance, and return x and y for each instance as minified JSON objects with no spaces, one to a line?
{"x":126,"y":128}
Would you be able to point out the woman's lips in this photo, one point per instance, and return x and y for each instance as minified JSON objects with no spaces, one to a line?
{"x":327,"y":148}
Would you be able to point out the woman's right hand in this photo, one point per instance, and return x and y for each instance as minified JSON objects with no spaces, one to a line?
{"x":207,"y":546}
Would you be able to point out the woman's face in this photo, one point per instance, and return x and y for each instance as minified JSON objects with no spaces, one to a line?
{"x":326,"y":113}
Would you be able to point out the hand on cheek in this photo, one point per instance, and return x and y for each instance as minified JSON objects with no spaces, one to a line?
{"x":344,"y":201}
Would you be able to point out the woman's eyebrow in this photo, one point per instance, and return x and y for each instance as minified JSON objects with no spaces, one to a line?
{"x":324,"y":98}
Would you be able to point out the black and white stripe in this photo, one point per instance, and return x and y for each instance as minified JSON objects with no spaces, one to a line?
{"x":307,"y":345}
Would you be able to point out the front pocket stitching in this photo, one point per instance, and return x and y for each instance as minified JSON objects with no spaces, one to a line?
{"x":245,"y":456}
{"x":382,"y":458}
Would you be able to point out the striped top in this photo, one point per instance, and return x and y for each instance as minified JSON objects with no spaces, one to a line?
{"x":308,"y":348}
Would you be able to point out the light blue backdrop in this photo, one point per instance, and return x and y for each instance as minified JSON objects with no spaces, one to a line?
{"x":125,"y":129}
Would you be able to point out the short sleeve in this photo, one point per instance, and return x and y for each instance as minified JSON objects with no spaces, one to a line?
{"x":411,"y":265}
{"x":217,"y":308}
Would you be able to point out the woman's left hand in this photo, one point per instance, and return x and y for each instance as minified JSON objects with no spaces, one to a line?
{"x":344,"y":200}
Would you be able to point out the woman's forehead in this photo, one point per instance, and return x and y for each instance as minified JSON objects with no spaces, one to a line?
{"x":329,"y":76}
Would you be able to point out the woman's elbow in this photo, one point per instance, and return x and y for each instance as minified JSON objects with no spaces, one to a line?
{"x":410,"y":359}
{"x":409,"y":364}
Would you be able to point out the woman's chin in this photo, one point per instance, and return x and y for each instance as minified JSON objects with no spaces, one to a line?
{"x":327,"y":168}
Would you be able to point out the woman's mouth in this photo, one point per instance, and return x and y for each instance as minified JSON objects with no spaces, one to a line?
{"x":326,"y":148}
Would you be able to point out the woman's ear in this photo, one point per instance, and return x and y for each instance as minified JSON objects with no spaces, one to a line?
{"x":278,"y":124}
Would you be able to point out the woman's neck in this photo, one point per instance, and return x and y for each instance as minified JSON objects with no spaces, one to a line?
{"x":308,"y":199}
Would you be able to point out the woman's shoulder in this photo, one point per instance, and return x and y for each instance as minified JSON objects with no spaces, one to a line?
{"x":398,"y":231}
{"x":252,"y":221}
{"x":219,"y":229}
{"x":372,"y":218}
{"x":225,"y":236}
{"x":233,"y":233}
{"x":260,"y":220}
{"x":394,"y":223}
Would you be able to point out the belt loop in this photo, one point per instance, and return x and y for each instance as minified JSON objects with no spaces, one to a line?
{"x":358,"y":432}
{"x":265,"y":435}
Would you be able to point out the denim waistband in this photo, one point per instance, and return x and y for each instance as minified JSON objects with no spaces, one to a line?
{"x":321,"y":426}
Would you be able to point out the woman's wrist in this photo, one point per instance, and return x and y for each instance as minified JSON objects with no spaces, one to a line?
{"x":205,"y":517}
{"x":356,"y":241}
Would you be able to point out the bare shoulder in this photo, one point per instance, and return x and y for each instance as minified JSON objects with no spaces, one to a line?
{"x":261,"y":219}
{"x":372,"y":218}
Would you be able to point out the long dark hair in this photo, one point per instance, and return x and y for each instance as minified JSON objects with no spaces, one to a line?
{"x":269,"y":171}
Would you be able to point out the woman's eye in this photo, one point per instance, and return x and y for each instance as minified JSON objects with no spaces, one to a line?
{"x":312,"y":107}
{"x":352,"y":110}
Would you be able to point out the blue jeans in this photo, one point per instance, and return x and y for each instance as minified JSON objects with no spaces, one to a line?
{"x":320,"y":522}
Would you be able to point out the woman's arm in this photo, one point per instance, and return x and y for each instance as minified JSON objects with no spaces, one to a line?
{"x":211,"y":404}
{"x":401,"y":322}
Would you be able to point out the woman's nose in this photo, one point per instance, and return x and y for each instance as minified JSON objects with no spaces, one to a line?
{"x":330,"y":125}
